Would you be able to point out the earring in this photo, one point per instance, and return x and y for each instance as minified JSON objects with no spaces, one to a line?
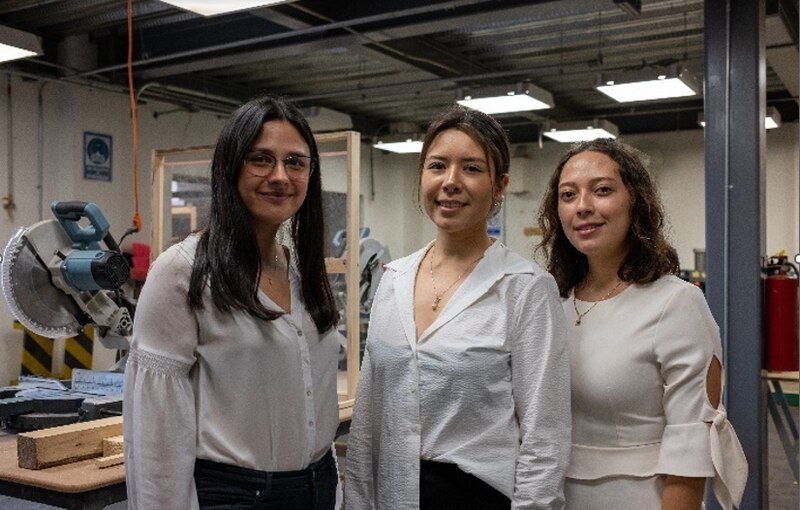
{"x":497,"y":204}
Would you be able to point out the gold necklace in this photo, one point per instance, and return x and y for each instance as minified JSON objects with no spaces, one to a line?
{"x":582,"y":315}
{"x":274,"y":268}
{"x":437,"y":297}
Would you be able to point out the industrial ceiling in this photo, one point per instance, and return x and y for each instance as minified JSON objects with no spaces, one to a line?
{"x":393,"y":63}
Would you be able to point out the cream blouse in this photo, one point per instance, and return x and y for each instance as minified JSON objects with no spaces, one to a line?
{"x":639,"y":403}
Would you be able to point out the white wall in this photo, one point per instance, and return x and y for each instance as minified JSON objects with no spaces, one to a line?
{"x":392,"y":214}
{"x":68,"y":111}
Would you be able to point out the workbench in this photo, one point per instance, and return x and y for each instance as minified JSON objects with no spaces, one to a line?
{"x":75,"y":486}
{"x":79,"y":485}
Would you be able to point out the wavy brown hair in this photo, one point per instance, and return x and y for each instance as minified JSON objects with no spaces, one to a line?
{"x":649,"y":256}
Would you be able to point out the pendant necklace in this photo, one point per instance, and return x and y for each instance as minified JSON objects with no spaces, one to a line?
{"x":582,"y":315}
{"x":274,"y":269}
{"x":437,"y":296}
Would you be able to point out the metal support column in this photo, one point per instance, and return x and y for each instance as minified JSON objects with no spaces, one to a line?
{"x":734,"y":159}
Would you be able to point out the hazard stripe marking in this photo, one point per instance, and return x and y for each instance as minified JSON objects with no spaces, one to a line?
{"x":77,"y":353}
{"x":37,"y":353}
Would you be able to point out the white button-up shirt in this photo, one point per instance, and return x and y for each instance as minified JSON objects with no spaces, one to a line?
{"x":226,"y":387}
{"x":486,"y":387}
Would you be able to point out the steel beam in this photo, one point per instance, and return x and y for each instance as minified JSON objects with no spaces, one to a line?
{"x":735,"y":100}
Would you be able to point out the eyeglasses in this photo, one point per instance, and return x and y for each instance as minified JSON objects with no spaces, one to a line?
{"x":261,"y":164}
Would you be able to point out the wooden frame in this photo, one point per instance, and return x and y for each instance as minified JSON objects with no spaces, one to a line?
{"x":160,"y":191}
{"x":189,"y":211}
{"x":347,"y":265}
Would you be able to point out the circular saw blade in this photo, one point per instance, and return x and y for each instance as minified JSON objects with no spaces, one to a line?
{"x":29,"y":292}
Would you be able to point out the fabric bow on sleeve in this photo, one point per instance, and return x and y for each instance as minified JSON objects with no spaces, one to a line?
{"x":729,"y":462}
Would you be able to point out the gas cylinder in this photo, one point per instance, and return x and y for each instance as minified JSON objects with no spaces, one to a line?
{"x":780,"y":322}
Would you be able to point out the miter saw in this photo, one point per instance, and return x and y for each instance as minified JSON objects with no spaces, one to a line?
{"x":57,"y":279}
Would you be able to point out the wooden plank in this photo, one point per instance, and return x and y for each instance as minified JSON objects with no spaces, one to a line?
{"x":110,"y":460}
{"x":73,"y":478}
{"x":112,"y":446}
{"x":335,"y":265}
{"x":68,"y":443}
{"x":353,"y":273}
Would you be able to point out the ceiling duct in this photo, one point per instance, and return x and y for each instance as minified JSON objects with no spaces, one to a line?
{"x":631,"y":7}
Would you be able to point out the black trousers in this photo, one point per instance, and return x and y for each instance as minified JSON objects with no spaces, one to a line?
{"x":445,"y":487}
{"x":225,"y":487}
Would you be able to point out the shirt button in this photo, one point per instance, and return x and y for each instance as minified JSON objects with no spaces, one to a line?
{"x":299,"y":332}
{"x":413,"y":390}
{"x":308,"y":393}
{"x":310,"y":423}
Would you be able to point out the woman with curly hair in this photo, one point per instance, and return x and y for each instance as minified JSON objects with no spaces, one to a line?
{"x":648,"y":427}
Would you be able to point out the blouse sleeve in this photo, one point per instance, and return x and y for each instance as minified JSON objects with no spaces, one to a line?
{"x":698,"y":439}
{"x":540,"y":385}
{"x":159,"y":406}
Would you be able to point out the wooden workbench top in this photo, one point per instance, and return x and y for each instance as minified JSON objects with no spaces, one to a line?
{"x":74,"y":477}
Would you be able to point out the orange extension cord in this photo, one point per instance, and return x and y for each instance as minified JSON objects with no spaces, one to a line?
{"x":137,"y":218}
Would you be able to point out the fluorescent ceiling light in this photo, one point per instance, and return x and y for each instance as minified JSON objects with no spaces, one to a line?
{"x":16,"y":44}
{"x":772,"y":119}
{"x":646,"y":85}
{"x":407,"y":146}
{"x":521,"y":97}
{"x":212,"y":7}
{"x":568,"y":132}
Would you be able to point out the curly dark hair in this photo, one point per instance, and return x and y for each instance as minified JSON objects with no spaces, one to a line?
{"x":228,"y":257}
{"x":649,"y":256}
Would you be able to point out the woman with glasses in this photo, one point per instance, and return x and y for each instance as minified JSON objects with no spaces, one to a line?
{"x":463,"y":400}
{"x":230,"y":390}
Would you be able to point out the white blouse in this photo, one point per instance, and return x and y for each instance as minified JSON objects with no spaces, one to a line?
{"x":226,"y":387}
{"x":485,"y":388}
{"x":639,"y":401}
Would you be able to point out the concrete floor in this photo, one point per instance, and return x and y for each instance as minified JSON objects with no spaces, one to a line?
{"x":783,"y":490}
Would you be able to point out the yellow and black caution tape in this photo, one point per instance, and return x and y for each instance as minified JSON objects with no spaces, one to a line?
{"x":37,"y":353}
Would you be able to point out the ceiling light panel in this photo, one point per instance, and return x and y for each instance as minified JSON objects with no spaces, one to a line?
{"x":213,"y":7}
{"x":16,"y":44}
{"x":521,"y":97}
{"x":648,"y":85}
{"x":569,"y":132}
{"x":408,"y":146}
{"x":772,"y":119}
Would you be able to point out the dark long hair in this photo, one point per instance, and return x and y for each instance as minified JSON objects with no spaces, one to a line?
{"x":481,"y":127}
{"x":228,"y":256}
{"x":649,"y":256}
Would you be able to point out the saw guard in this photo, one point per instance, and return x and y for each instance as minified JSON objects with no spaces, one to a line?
{"x":27,"y":288}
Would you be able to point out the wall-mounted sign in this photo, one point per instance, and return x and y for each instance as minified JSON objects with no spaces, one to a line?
{"x":96,"y":156}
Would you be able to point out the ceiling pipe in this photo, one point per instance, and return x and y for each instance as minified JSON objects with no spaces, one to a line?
{"x":289,"y":35}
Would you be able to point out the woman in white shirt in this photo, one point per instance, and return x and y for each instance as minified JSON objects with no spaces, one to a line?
{"x":648,"y":427}
{"x":230,"y":390}
{"x":463,"y":401}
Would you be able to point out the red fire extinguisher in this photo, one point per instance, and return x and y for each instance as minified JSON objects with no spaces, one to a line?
{"x":780,"y":315}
